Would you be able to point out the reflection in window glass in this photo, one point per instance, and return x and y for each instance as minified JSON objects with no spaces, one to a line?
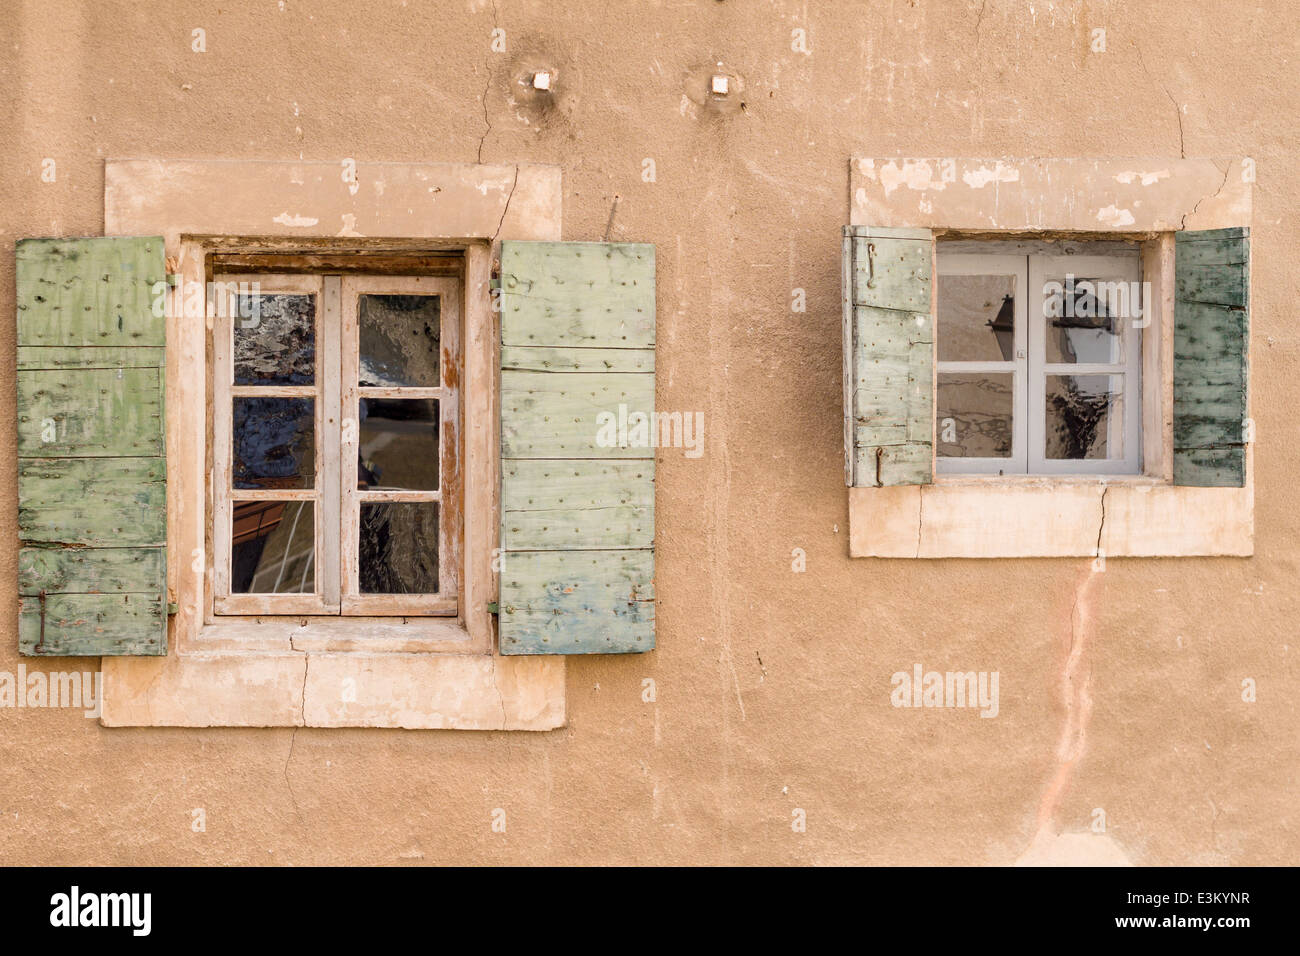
{"x":399,"y":444}
{"x":273,"y":443}
{"x":275,"y":340}
{"x":1083,"y":320}
{"x":273,"y":547}
{"x":1082,"y":413}
{"x":399,"y":340}
{"x":975,"y":413}
{"x":398,"y":547}
{"x":977,"y":318}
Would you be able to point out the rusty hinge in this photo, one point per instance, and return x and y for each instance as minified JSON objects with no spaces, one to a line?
{"x":493,"y":607}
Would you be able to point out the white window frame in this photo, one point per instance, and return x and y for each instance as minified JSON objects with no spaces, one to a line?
{"x":1029,"y":367}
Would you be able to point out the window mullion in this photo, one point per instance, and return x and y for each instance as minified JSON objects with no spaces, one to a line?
{"x":1030,"y":382}
{"x":330,"y":472}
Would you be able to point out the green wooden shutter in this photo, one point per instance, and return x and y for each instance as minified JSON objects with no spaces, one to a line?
{"x":92,"y":477}
{"x":1211,"y":341}
{"x":577,"y":508}
{"x":888,"y":356}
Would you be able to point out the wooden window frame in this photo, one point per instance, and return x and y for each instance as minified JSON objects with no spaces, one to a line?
{"x":336,"y":393}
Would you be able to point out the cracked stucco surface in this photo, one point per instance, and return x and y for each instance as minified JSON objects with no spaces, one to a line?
{"x":1120,"y":689}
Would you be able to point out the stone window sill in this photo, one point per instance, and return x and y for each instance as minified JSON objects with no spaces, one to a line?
{"x":996,"y":517}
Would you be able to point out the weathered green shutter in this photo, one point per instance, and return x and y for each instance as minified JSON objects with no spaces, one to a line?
{"x":92,"y":478}
{"x":888,"y":356}
{"x":577,"y":509}
{"x":1211,"y":341}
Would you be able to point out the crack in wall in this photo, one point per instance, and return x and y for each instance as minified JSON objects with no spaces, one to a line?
{"x":496,"y":686}
{"x":487,"y":122}
{"x":1227,"y":170}
{"x":920,"y":516}
{"x":1178,"y":112}
{"x":506,"y":208}
{"x":1102,"y":525}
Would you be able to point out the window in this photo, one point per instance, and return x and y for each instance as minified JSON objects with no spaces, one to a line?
{"x":1038,"y":362}
{"x":1047,"y":358}
{"x":334,"y":445}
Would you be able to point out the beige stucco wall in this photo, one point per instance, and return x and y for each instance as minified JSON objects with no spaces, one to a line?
{"x":1120,"y":689}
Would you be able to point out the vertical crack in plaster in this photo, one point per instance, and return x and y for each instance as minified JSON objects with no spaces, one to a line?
{"x":920,"y":516}
{"x":609,"y":226}
{"x":506,"y":208}
{"x":293,"y":736}
{"x":979,"y":22}
{"x":496,"y":685}
{"x":487,"y":123}
{"x":1102,"y":524}
{"x":1178,"y":112}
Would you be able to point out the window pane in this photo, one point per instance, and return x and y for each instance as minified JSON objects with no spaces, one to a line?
{"x":399,"y":340}
{"x":399,"y":444}
{"x":274,"y":443}
{"x":977,"y":318}
{"x":1085,"y":319}
{"x":275,"y":340}
{"x":1085,"y":416}
{"x":273,"y":548}
{"x":399,"y":547}
{"x":975,"y":414}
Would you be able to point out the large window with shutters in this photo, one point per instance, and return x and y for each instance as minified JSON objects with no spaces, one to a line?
{"x":335,"y":444}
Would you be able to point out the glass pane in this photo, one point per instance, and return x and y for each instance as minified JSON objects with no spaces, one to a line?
{"x":274,"y":443}
{"x":399,"y":444}
{"x":399,"y":547}
{"x":977,"y":318}
{"x":1085,"y":318}
{"x":275,"y":340}
{"x":1085,"y":416}
{"x":399,"y":340}
{"x":975,"y":414}
{"x":273,"y":548}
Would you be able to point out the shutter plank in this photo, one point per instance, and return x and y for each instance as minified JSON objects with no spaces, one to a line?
{"x":889,"y":360}
{"x":597,"y":294}
{"x":546,"y":415}
{"x":92,"y":625}
{"x":90,"y":412}
{"x":92,"y":502}
{"x":577,"y":602}
{"x":541,"y":359}
{"x":88,"y":570}
{"x":576,"y":504}
{"x":1211,"y":343}
{"x":577,"y":518}
{"x":92,"y":493}
{"x":90,"y":292}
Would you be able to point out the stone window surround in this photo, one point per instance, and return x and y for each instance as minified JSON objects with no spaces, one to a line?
{"x":1032,"y":516}
{"x":288,"y":672}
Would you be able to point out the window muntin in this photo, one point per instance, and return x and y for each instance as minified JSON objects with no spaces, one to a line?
{"x":334,"y":446}
{"x":1038,"y":364}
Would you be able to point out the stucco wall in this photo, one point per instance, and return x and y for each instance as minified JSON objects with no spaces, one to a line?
{"x":1119,"y":690}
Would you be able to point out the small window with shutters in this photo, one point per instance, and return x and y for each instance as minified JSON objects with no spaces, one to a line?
{"x":1040,"y":394}
{"x":1009,"y":357}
